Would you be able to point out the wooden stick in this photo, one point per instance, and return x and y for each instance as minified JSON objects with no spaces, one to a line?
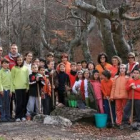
{"x":53,"y":96}
{"x":132,"y":107}
{"x":39,"y":98}
{"x":112,"y":120}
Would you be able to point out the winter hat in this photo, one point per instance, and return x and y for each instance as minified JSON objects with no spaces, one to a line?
{"x":80,"y":71}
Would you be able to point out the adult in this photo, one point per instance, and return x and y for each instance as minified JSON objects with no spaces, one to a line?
{"x":103,"y":63}
{"x":64,"y":60}
{"x":28,"y":61}
{"x":1,"y":51}
{"x":12,"y":56}
{"x":116,"y":62}
{"x":132,"y":64}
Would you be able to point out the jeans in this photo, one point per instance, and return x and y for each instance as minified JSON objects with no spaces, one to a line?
{"x":5,"y":104}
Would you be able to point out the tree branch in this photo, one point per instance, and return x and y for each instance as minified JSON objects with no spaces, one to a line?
{"x":127,"y":17}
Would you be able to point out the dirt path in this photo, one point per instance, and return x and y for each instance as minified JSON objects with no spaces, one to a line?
{"x":37,"y":131}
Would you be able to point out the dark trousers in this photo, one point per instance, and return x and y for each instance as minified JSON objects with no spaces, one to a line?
{"x":107,"y":110}
{"x":5,"y":105}
{"x":127,"y":110}
{"x":61,"y":96}
{"x":46,"y":103}
{"x":20,"y":95}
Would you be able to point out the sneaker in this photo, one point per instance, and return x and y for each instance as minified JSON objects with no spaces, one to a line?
{"x":28,"y":118}
{"x":23,"y":119}
{"x":18,"y":120}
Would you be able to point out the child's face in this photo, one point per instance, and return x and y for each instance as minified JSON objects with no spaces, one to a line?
{"x":90,"y":66}
{"x":84,"y":65}
{"x":122,"y":69}
{"x":51,"y":65}
{"x":80,"y":75}
{"x":19,"y":61}
{"x":42,"y":71}
{"x":79,"y":67}
{"x":64,"y":59}
{"x":136,"y":74}
{"x":73,"y":67}
{"x":34,"y":68}
{"x":104,"y":78}
{"x":86,"y":75}
{"x":36,"y":62}
{"x":115,"y":61}
{"x":5,"y":65}
{"x":96,"y":76}
{"x":41,"y":63}
{"x":62,"y":68}
{"x":29,"y":57}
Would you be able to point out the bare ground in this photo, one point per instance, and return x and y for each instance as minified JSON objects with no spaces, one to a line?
{"x":79,"y":131}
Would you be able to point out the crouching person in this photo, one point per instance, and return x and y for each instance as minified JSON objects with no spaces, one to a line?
{"x":133,"y":87}
{"x":36,"y":82}
{"x":5,"y":91}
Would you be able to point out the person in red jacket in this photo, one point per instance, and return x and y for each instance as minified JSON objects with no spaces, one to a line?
{"x":12,"y":56}
{"x":72,"y":74}
{"x":133,"y":85}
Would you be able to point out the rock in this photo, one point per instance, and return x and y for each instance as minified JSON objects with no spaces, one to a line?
{"x":73,"y":114}
{"x":39,"y":118}
{"x":57,"y":120}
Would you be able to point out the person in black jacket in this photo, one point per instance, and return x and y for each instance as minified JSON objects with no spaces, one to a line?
{"x":36,"y":83}
{"x":63,"y":84}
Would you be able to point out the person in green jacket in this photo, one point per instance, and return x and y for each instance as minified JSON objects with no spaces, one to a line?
{"x":5,"y":91}
{"x":20,"y":85}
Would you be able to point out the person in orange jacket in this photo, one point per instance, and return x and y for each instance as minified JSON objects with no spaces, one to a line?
{"x":119,"y":93}
{"x":133,"y":85}
{"x":103,"y":63}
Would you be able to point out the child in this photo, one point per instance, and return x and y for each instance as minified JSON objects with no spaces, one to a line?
{"x":35,"y":84}
{"x":106,"y":86}
{"x":119,"y":93}
{"x":133,"y":86}
{"x":84,"y":65}
{"x":46,"y":94}
{"x":84,"y":87}
{"x":5,"y":90}
{"x":91,"y":67}
{"x":96,"y":85}
{"x":63,"y":84}
{"x":20,"y":83}
{"x":79,"y":66}
{"x":72,"y":74}
{"x":77,"y":84}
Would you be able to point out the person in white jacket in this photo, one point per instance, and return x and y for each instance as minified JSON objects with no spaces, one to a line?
{"x":77,"y":84}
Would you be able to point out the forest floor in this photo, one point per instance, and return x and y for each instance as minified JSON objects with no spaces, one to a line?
{"x":79,"y":131}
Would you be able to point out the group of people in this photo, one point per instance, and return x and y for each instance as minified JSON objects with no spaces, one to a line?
{"x":39,"y":85}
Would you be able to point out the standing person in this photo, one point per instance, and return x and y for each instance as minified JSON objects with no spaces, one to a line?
{"x":64,"y":59}
{"x":119,"y":93}
{"x":28,"y":61}
{"x":72,"y":74}
{"x":91,"y":68}
{"x":63,"y":85}
{"x":50,"y":58}
{"x":12,"y":56}
{"x":103,"y":63}
{"x":1,"y":57}
{"x":5,"y":90}
{"x":36,"y":61}
{"x":51,"y":74}
{"x":116,"y":62}
{"x":20,"y":83}
{"x":96,"y":85}
{"x":36,"y":83}
{"x":133,"y":85}
{"x":46,"y":96}
{"x":132,"y":64}
{"x":106,"y":87}
{"x":84,"y":87}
